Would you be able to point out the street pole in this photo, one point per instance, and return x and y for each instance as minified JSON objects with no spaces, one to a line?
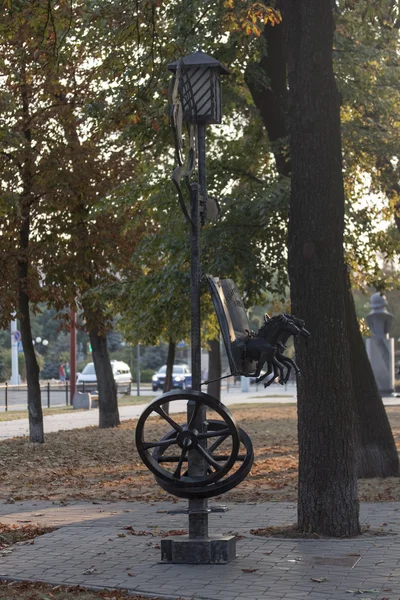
{"x":198,"y":507}
{"x":72,"y":356}
{"x":14,"y":354}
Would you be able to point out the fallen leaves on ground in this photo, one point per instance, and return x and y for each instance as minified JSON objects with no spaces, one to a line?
{"x":19,"y":534}
{"x":37,"y":591}
{"x":103,"y":465}
{"x":285,"y":531}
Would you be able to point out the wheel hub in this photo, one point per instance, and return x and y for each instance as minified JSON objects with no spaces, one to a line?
{"x":188,"y":438}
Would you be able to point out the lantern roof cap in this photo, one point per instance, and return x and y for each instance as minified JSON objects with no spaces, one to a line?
{"x":199,"y":59}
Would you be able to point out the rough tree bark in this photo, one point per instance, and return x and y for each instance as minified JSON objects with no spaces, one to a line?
{"x":214,"y":368}
{"x":108,"y":404}
{"x":36,"y":433}
{"x":372,"y":425}
{"x":327,"y":496}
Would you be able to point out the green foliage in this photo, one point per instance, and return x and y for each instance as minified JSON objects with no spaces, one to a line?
{"x":106,"y":229}
{"x":145,"y":375}
{"x":368,"y":70}
{"x":3,"y":373}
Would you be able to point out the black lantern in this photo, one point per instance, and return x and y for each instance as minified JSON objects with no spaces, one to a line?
{"x":200,"y":87}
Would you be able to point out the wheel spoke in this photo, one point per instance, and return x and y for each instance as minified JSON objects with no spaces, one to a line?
{"x":217,"y":443}
{"x":177,"y":472}
{"x":160,"y":411}
{"x":210,"y":434}
{"x":211,"y":461}
{"x":160,"y":444}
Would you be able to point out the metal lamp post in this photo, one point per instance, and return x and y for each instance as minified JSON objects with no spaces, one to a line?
{"x":39,"y":340}
{"x":197,"y":103}
{"x":198,"y":98}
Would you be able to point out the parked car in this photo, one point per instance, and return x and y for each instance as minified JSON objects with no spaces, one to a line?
{"x":181,"y":378}
{"x":121,"y":371}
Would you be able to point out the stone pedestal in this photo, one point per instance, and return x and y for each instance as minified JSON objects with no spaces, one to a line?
{"x":244,"y":384}
{"x":381,"y":355}
{"x":214,"y":550}
{"x":82,"y":400}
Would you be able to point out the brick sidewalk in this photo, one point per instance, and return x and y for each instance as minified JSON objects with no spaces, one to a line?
{"x":92,"y":548}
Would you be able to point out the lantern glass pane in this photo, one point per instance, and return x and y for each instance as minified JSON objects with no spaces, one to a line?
{"x":201,"y":95}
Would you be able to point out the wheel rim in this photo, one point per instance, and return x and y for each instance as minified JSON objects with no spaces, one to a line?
{"x":217,"y":487}
{"x":185,"y":438}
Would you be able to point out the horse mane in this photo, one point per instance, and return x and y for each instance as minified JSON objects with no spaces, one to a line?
{"x":298,"y":322}
{"x":270,"y":324}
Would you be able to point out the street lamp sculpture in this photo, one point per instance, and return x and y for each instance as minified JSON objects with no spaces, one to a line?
{"x":209,"y":454}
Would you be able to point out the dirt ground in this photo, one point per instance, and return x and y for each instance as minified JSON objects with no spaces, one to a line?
{"x":27,"y":591}
{"x":92,"y":464}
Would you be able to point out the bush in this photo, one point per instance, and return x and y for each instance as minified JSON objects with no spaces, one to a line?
{"x":50,"y":370}
{"x":21,"y":364}
{"x":145,"y":375}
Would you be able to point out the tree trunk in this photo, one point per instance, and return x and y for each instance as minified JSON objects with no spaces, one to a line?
{"x":268,"y":86}
{"x":108,"y":405}
{"x":267,"y":83}
{"x":36,"y":432}
{"x":170,"y":366}
{"x":376,"y":453}
{"x":214,"y":368}
{"x":327,"y":496}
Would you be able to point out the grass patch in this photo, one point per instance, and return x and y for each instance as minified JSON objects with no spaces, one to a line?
{"x":132,"y":400}
{"x":13,"y":415}
{"x":263,"y":405}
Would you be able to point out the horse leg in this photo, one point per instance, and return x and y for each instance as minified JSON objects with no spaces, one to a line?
{"x":259,"y":379}
{"x":261,"y":361}
{"x":295,"y":367}
{"x":271,"y":370}
{"x":287,"y":362}
{"x":280,"y":368}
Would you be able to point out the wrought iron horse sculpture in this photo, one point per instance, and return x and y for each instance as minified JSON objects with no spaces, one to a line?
{"x":248,"y":351}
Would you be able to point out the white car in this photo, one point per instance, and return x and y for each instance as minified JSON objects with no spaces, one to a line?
{"x":87,"y":380}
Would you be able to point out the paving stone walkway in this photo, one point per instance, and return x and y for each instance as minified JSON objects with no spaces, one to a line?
{"x":92,"y":547}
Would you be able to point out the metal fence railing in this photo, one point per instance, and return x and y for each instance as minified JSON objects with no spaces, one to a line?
{"x":15,"y":397}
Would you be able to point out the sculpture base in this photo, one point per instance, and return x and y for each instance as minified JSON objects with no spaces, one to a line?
{"x":381,"y":355}
{"x":214,"y":550}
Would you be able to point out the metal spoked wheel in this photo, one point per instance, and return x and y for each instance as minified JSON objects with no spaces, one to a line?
{"x":176,"y":444}
{"x":217,"y":487}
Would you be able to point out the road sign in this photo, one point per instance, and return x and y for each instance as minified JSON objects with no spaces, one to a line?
{"x":16,"y":336}
{"x":20,"y":348}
